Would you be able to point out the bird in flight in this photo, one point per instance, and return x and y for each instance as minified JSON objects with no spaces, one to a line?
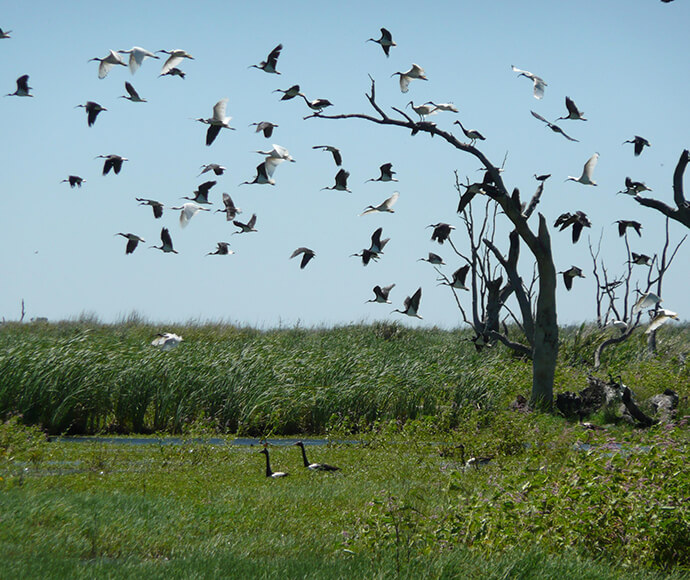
{"x":340,"y":181}
{"x":92,"y":110}
{"x":217,"y":122}
{"x":384,"y":206}
{"x":137,"y":56}
{"x":337,"y":157}
{"x":387,"y":173}
{"x":175,"y":57}
{"x":113,"y":162}
{"x":223,"y":249}
{"x":230,"y":210}
{"x":132,"y":241}
{"x":156,"y":206}
{"x":539,"y":82}
{"x":411,"y":304}
{"x":133,"y":95}
{"x":166,"y":242}
{"x":574,"y":114}
{"x":623,"y":226}
{"x":74,"y":180}
{"x":269,"y":65}
{"x":386,"y":41}
{"x":265,"y":126}
{"x":307,"y":255}
{"x":639,"y":142}
{"x":577,"y":220}
{"x":23,"y":88}
{"x":107,"y":63}
{"x":570,"y":274}
{"x":246,"y":228}
{"x":381,"y":294}
{"x":288,"y":94}
{"x":188,"y":211}
{"x":553,"y":127}
{"x":415,"y":72}
{"x":588,"y":169}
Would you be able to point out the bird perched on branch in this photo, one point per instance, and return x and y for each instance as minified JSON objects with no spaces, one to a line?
{"x":471,"y":134}
{"x":570,"y":274}
{"x":639,"y":142}
{"x":269,"y":65}
{"x":317,"y":105}
{"x":422,"y":110}
{"x":307,"y":255}
{"x":386,"y":41}
{"x":539,"y":82}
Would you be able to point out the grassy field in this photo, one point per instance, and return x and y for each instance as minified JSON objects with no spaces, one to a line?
{"x":555,"y":500}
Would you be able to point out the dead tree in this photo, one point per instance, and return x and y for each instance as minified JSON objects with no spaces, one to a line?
{"x":542,"y":327}
{"x":681,"y":213}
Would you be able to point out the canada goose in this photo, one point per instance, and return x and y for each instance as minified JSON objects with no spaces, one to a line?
{"x":314,"y":466}
{"x":269,"y":472}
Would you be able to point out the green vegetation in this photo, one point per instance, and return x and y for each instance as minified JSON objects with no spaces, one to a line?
{"x":555,"y":500}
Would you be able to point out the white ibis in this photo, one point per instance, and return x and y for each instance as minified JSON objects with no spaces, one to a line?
{"x":639,"y":142}
{"x":246,"y":228}
{"x":92,"y":110}
{"x":641,"y":259}
{"x":621,"y":325}
{"x":587,"y":170}
{"x":415,"y":72}
{"x":137,"y":56}
{"x":459,"y":277}
{"x":340,"y":181}
{"x":269,"y":65}
{"x":646,"y":300}
{"x":264,"y":126}
{"x":623,"y":226}
{"x":381,"y":294}
{"x":577,"y":220}
{"x":217,"y":122}
{"x":175,"y":57}
{"x":307,"y":255}
{"x":539,"y":82}
{"x":215,"y":167}
{"x":288,"y":94}
{"x":229,"y":209}
{"x":317,"y":105}
{"x":113,"y":162}
{"x":337,"y":157}
{"x":277,"y":152}
{"x":422,"y":110}
{"x":570,"y":274}
{"x":264,"y":172}
{"x":553,"y":127}
{"x":441,"y":232}
{"x":269,"y":471}
{"x":5,"y":33}
{"x":201,"y":193}
{"x":132,"y":241}
{"x":386,"y":41}
{"x":662,"y":316}
{"x":387,"y":173}
{"x":23,"y":88}
{"x":472,"y":134}
{"x":188,"y":211}
{"x":107,"y":63}
{"x":166,"y":243}
{"x":167,"y":340}
{"x":411,"y":304}
{"x":384,"y":206}
{"x":174,"y":72}
{"x":574,"y":114}
{"x":443,"y":106}
{"x":74,"y":181}
{"x":314,"y":466}
{"x":156,"y":206}
{"x":223,"y":249}
{"x":133,"y":95}
{"x":434,"y":259}
{"x":634,"y":187}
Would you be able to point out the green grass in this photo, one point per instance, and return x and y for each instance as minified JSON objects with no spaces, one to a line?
{"x":83,"y":377}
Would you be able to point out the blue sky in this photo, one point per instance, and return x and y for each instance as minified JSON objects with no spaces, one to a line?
{"x":625,"y":65}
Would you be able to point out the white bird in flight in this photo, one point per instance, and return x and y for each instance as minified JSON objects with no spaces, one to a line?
{"x":278,"y":152}
{"x":539,"y":82}
{"x":137,"y":56}
{"x":188,"y":211}
{"x":586,"y":177}
{"x":385,"y":206}
{"x":175,"y":57}
{"x":662,"y":316}
{"x":415,"y":72}
{"x":107,"y":63}
{"x":217,"y":122}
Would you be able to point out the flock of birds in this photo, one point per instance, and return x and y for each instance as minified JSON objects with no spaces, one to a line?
{"x":274,"y":157}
